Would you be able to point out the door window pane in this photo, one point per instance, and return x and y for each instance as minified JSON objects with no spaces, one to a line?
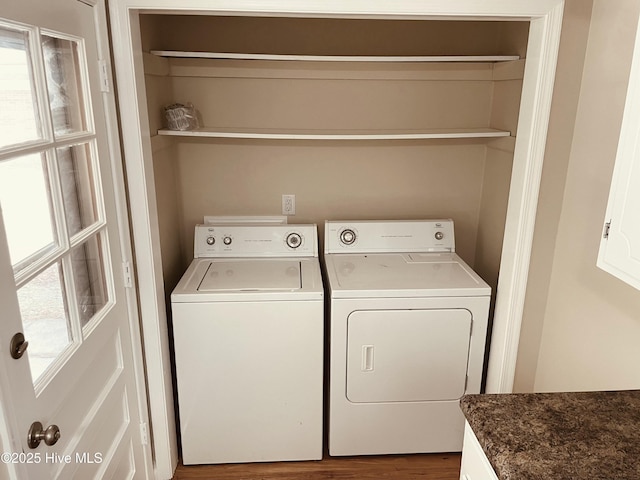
{"x":88,"y":273}
{"x":64,"y":83}
{"x":19,"y":120}
{"x":78,"y":186}
{"x":25,"y":199}
{"x":45,"y":318}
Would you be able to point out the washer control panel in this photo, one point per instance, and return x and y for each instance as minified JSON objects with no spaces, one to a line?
{"x":389,"y":236}
{"x":255,"y":240}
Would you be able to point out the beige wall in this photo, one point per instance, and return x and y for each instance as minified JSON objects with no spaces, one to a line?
{"x":507,"y":88}
{"x":170,"y":214}
{"x":467,"y":180}
{"x":587,"y":321}
{"x":333,"y":181}
{"x":338,"y":180}
{"x":573,"y":44}
{"x":336,"y":103}
{"x":158,"y":88}
{"x":321,"y":36}
{"x":493,"y":210}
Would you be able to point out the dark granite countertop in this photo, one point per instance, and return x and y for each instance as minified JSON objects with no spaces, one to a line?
{"x":536,"y":436}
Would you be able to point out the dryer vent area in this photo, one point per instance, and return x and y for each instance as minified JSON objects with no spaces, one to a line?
{"x":434,"y":139}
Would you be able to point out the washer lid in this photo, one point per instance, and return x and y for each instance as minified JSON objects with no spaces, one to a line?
{"x":394,"y":274}
{"x":251,"y":275}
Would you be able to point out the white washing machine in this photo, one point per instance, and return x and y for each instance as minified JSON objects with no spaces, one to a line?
{"x":408,"y":323}
{"x":248,"y":334}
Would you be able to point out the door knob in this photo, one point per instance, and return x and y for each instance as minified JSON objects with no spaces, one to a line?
{"x":50,"y":436}
{"x":18,"y":346}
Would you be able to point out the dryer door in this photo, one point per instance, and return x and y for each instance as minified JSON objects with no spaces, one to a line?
{"x":407,"y":355}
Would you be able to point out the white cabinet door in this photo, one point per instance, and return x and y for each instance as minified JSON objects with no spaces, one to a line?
{"x":620,"y":246}
{"x":475,"y":465}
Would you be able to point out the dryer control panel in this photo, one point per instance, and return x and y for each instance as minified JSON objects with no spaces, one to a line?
{"x":389,"y":236}
{"x":238,"y":240}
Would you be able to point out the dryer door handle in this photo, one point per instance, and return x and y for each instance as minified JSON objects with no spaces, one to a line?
{"x":367,"y":358}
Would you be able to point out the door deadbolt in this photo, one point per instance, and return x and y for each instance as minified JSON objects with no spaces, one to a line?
{"x":18,"y":346}
{"x":50,"y":436}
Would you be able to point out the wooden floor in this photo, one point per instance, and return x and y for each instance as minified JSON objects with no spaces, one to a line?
{"x":397,"y":467}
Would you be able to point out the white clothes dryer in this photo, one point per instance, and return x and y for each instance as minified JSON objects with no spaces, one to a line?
{"x":408,"y":324}
{"x":248,"y":326}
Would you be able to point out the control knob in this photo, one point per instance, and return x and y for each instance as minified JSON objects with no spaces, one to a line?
{"x":347,"y":236}
{"x":294,"y":240}
{"x":211,"y":240}
{"x":439,"y":235}
{"x":227,"y":240}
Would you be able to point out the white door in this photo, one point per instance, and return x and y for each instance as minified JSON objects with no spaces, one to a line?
{"x":407,"y":355}
{"x":61,"y":254}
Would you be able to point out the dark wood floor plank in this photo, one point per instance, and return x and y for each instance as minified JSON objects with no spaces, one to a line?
{"x":397,"y":467}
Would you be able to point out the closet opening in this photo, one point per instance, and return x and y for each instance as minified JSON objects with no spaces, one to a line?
{"x":405,"y":148}
{"x":359,"y":118}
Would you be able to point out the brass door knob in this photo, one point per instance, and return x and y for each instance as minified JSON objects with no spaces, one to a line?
{"x":36,"y":434}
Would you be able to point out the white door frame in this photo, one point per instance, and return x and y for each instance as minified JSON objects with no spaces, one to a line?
{"x":544,"y":36}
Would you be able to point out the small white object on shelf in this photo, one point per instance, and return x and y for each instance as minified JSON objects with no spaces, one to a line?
{"x":181,"y":117}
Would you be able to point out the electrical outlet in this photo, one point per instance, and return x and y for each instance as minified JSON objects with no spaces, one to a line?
{"x":288,"y":204}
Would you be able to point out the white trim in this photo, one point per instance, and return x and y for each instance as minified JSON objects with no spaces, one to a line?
{"x":413,"y":9}
{"x":530,"y":144}
{"x":544,"y":38}
{"x":117,"y":165}
{"x":144,"y":226}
